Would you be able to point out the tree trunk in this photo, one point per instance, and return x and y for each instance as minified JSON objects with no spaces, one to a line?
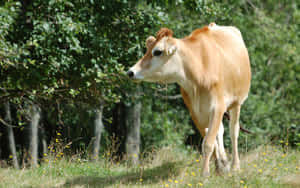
{"x":98,"y":131}
{"x":44,"y":142}
{"x":11,"y":138}
{"x":35,"y":117}
{"x":133,"y":122}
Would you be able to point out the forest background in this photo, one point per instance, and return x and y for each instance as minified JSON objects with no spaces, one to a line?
{"x":63,"y":82}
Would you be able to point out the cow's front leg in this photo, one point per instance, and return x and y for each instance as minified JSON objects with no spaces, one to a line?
{"x":209,"y":141}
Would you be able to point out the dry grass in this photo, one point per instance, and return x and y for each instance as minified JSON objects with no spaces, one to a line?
{"x":266,"y":166}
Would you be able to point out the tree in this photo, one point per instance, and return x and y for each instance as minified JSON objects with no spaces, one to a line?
{"x":133,"y":124}
{"x":98,"y":130}
{"x":34,"y":124}
{"x":10,"y":134}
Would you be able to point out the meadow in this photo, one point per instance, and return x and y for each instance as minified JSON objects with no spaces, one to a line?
{"x":265,"y":166}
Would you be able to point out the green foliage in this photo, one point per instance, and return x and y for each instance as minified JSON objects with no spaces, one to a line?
{"x":274,"y":54}
{"x":76,"y":49}
{"x":297,"y":142}
{"x":8,"y":51}
{"x":169,"y":124}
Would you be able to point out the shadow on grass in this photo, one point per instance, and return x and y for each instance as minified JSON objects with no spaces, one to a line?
{"x":149,"y":176}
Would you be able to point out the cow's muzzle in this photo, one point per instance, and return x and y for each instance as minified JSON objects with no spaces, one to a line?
{"x":130,"y":74}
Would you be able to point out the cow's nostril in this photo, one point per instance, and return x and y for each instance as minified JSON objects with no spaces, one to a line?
{"x":130,"y":74}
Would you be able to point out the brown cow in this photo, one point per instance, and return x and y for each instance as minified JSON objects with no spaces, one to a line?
{"x":212,"y":67}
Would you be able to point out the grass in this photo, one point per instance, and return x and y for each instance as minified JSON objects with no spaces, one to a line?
{"x":266,"y":166}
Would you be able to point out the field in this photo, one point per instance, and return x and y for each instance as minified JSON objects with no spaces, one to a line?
{"x":266,"y":166}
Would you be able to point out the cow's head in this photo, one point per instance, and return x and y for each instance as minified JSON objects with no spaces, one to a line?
{"x":157,"y":65}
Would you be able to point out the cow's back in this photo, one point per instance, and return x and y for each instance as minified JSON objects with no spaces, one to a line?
{"x":222,"y":51}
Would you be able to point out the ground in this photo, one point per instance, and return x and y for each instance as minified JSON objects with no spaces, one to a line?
{"x":265,"y":166}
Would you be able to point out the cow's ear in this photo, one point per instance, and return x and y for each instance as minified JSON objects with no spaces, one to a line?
{"x":171,"y":49}
{"x":150,"y":41}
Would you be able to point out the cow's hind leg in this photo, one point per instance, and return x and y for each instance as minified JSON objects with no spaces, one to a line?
{"x":222,"y":165}
{"x":218,"y":161}
{"x":234,"y":133}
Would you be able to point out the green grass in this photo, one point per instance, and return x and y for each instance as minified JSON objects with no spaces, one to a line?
{"x":266,"y":166}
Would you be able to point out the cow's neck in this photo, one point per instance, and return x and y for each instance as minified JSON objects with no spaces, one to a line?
{"x":189,"y":73}
{"x":192,"y":78}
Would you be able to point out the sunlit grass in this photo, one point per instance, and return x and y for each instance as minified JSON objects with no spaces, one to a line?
{"x":266,"y":166}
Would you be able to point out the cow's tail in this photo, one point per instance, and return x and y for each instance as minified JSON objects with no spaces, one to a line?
{"x":245,"y":130}
{"x":226,"y":115}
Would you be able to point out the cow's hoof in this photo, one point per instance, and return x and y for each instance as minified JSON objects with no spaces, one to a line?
{"x":226,"y":168}
{"x":205,"y":173}
{"x":236,"y":168}
{"x":223,"y":170}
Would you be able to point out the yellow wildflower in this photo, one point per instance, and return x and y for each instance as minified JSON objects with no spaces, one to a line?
{"x":58,"y":134}
{"x":266,"y":160}
{"x":200,"y":184}
{"x":280,"y":164}
{"x":193,"y":174}
{"x":10,"y":156}
{"x":166,"y":185}
{"x":197,"y":160}
{"x":141,"y":179}
{"x":264,"y":153}
{"x":171,"y":181}
{"x":175,"y":181}
{"x":260,"y":170}
{"x":275,"y":168}
{"x":56,"y":140}
{"x":254,"y":165}
{"x":190,"y":185}
{"x":242,"y":182}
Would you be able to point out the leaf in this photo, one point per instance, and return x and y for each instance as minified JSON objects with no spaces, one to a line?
{"x":46,"y":26}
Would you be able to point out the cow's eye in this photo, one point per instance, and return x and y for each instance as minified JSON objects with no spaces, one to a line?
{"x":157,"y":52}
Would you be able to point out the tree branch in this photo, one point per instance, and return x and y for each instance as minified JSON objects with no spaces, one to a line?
{"x":174,"y":97}
{"x":6,"y":124}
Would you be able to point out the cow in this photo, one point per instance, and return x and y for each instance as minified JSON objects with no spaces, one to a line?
{"x":212,"y":68}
